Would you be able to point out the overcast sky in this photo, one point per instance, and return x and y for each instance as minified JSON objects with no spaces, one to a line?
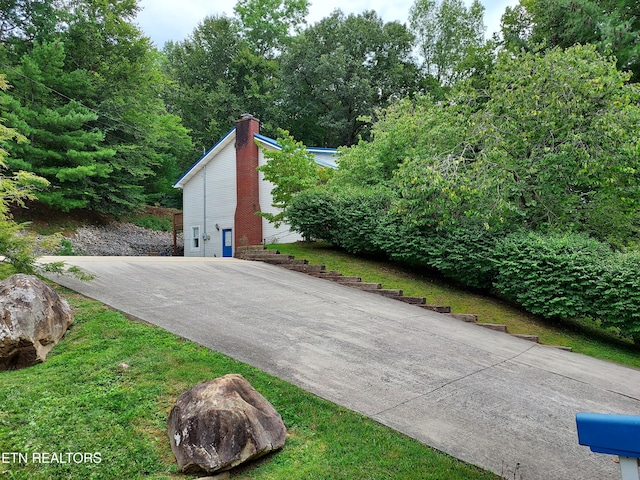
{"x":165,"y":20}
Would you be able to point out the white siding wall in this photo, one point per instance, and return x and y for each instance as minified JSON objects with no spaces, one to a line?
{"x":221,"y":197}
{"x":193,"y":213}
{"x":269,"y":232}
{"x":219,"y":188}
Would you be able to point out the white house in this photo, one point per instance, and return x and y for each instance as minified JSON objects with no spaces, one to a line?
{"x":223,"y":191}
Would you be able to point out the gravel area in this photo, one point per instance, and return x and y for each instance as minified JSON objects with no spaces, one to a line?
{"x":123,"y":239}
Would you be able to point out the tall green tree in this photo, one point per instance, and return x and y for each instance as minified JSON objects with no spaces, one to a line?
{"x":450,"y":38}
{"x":63,"y":146}
{"x":339,"y":71}
{"x":15,"y":186}
{"x":112,"y":74}
{"x":25,"y":22}
{"x":612,"y":25}
{"x":268,"y":25}
{"x":216,"y":77}
{"x":128,"y":85}
{"x":555,"y":148}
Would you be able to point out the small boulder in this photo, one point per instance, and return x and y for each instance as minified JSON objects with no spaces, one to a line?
{"x":33,"y":318}
{"x":222,"y":423}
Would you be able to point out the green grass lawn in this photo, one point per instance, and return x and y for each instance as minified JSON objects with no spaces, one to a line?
{"x":78,"y":401}
{"x":583,"y":337}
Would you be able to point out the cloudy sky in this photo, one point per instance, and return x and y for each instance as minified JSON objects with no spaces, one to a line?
{"x":165,"y":20}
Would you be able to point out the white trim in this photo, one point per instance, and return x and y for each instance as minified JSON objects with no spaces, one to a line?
{"x":195,"y":240}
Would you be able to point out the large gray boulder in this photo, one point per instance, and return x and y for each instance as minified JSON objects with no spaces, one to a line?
{"x":222,"y":423}
{"x":33,"y":318}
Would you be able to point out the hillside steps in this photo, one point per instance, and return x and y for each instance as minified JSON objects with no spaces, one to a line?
{"x":274,"y":257}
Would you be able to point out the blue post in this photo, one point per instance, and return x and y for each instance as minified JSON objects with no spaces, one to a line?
{"x":613,"y":435}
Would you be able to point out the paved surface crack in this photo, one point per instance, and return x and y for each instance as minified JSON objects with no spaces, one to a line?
{"x":455,"y":380}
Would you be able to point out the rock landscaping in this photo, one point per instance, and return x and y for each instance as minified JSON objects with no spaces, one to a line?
{"x":222,"y":423}
{"x":33,"y":318}
{"x":122,"y":239}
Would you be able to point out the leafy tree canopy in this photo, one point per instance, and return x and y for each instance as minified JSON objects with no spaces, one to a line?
{"x":341,"y":70}
{"x":612,"y":25}
{"x":267,"y":25}
{"x":88,"y":94}
{"x":291,"y":170}
{"x":216,"y":78}
{"x":450,"y":37}
{"x":554,"y":147}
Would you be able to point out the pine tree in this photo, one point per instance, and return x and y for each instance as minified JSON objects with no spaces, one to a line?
{"x":65,"y":145}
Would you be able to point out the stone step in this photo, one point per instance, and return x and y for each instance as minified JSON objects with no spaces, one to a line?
{"x":413,"y":300}
{"x":465,"y":317}
{"x":437,"y":308}
{"x":494,"y":326}
{"x":531,"y":338}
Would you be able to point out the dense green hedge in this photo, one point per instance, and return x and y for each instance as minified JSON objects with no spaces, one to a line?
{"x":349,"y":217}
{"x":571,"y":275}
{"x":462,"y":254}
{"x":556,"y":276}
{"x":550,"y":275}
{"x":616,"y":294}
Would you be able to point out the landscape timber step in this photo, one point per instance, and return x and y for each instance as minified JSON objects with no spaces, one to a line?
{"x":465,"y":317}
{"x":274,"y":260}
{"x":305,"y":268}
{"x":261,"y":253}
{"x":413,"y":300}
{"x":250,"y":248}
{"x":326,"y":274}
{"x":363,"y":285}
{"x":387,"y":292}
{"x":337,"y":277}
{"x":437,"y":308}
{"x":531,"y":338}
{"x":494,"y":326}
{"x":559,"y":347}
{"x":263,"y":256}
{"x":345,"y":279}
{"x":284,"y":261}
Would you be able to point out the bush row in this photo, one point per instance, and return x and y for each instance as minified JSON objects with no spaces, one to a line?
{"x":554,"y":275}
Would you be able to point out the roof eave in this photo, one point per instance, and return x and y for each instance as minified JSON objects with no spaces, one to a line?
{"x":206,"y":158}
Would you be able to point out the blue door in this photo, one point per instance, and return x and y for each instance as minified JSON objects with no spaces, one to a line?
{"x":227,"y":243}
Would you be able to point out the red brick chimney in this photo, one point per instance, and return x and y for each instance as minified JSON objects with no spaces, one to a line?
{"x":248,"y":225}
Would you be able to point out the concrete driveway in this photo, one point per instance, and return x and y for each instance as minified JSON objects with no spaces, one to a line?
{"x":502,"y":403}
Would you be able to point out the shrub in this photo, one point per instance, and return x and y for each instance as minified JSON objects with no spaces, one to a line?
{"x":550,"y":275}
{"x":348,"y":217}
{"x":462,"y":253}
{"x":313,"y":214}
{"x":359,"y":212}
{"x":616,"y":293}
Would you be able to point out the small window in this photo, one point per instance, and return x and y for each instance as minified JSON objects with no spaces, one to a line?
{"x":195,"y":238}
